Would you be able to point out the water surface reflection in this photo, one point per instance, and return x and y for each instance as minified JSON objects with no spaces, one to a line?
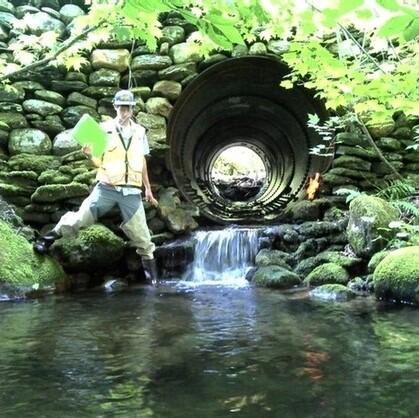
{"x":208,"y":352}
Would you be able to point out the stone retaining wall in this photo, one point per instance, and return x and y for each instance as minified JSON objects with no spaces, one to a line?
{"x":42,"y":171}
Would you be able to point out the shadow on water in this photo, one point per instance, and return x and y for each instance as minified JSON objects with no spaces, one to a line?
{"x":207,"y":351}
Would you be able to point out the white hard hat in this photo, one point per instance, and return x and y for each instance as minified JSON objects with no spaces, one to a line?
{"x":124,"y":98}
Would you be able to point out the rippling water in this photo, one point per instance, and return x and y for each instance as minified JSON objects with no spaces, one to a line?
{"x":207,"y":352}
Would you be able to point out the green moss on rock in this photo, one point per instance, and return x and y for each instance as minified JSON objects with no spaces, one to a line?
{"x":368,"y":227}
{"x":94,"y":249}
{"x":54,"y":177}
{"x":397,"y":276}
{"x":30,"y":162}
{"x":21,"y":267}
{"x":327,"y":273}
{"x":275,"y":277}
{"x":267,"y":257}
{"x":54,"y":192}
{"x":334,"y":292}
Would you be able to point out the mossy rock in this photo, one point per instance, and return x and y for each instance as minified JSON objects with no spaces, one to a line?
{"x":94,"y":249}
{"x":396,"y":277}
{"x":23,"y":270}
{"x":275,"y":277}
{"x":333,"y":292}
{"x":30,"y":162}
{"x":327,"y":273}
{"x":267,"y":257}
{"x":368,"y":229}
{"x":50,"y":193}
{"x":376,"y":260}
{"x":54,"y":177}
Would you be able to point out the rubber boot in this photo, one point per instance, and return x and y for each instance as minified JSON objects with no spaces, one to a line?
{"x":150,"y":270}
{"x":42,"y":244}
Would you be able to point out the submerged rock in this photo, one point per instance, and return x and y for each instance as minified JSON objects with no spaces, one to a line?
{"x":333,"y":292}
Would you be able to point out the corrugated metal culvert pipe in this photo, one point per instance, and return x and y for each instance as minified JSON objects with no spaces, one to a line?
{"x":239,"y":102}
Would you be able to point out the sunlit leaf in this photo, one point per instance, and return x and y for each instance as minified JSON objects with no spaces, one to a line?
{"x":394,"y":26}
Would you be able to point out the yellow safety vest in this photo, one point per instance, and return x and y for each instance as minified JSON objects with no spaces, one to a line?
{"x":120,"y":165}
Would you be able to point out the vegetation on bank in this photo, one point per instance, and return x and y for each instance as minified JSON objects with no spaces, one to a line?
{"x":21,"y":267}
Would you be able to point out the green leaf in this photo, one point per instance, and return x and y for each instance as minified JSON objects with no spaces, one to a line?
{"x":287,"y":84}
{"x":394,"y":26}
{"x":122,"y":33}
{"x":412,"y":30}
{"x":313,"y":119}
{"x":364,"y":14}
{"x":231,"y":33}
{"x":218,"y":38}
{"x":392,"y":5}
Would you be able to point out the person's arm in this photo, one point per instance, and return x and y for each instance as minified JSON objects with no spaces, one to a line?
{"x":148,"y":193}
{"x":87,"y":151}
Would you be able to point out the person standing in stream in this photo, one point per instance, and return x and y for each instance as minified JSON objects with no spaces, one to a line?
{"x":122,"y":171}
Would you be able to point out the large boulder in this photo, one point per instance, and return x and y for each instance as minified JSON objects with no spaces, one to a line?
{"x":368,"y":229}
{"x":327,"y":273}
{"x":64,"y":143}
{"x":113,"y":59}
{"x":94,"y":249}
{"x":42,"y":22}
{"x":396,"y":278}
{"x":30,"y":141}
{"x":332,"y":292}
{"x":275,"y":277}
{"x":23,"y":272}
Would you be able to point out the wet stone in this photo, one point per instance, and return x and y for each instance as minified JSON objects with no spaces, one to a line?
{"x":258,"y":48}
{"x":167,"y":88}
{"x":50,"y":96}
{"x":42,"y":22}
{"x":31,"y":141}
{"x":182,"y":53}
{"x":150,"y":121}
{"x":52,"y":125}
{"x":113,"y":59}
{"x":178,"y":72}
{"x":10,"y":107}
{"x":76,"y":76}
{"x":71,"y":115}
{"x":150,"y":62}
{"x":172,"y":35}
{"x":64,"y":86}
{"x":64,"y":143}
{"x":141,"y":78}
{"x":105,"y":77}
{"x":70,"y":11}
{"x":11,"y":94}
{"x":76,"y":98}
{"x":13,"y":120}
{"x":41,"y":107}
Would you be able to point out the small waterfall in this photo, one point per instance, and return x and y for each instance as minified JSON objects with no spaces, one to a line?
{"x":223,"y":256}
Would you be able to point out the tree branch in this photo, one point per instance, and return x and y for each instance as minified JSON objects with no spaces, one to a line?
{"x":67,"y":44}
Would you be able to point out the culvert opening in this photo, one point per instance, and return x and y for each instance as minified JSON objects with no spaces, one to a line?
{"x":238,"y":173}
{"x":238,"y":102}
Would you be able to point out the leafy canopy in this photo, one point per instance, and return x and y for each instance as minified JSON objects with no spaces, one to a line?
{"x":359,"y":55}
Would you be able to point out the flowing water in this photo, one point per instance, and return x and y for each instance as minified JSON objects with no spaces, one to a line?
{"x":206,"y":351}
{"x":223,"y":256}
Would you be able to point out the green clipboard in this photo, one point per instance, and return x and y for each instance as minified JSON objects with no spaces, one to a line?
{"x":88,"y":132}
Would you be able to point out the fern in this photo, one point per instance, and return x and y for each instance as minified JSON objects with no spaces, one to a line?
{"x":351,"y":194}
{"x":396,"y":190}
{"x":406,"y":208}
